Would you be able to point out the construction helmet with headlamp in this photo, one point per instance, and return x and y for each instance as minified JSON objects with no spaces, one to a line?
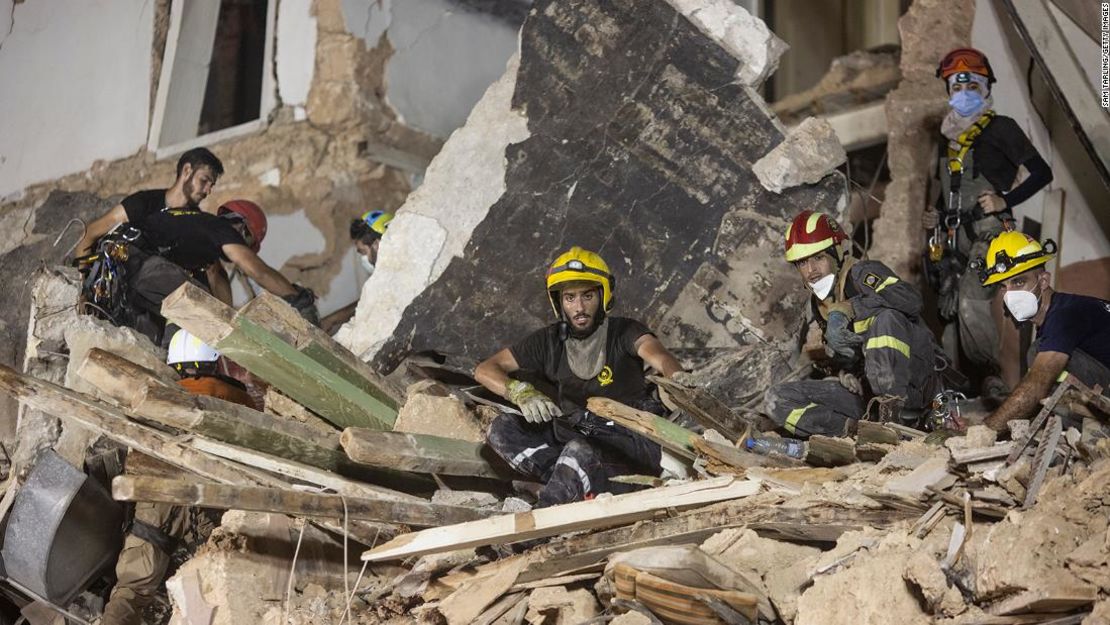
{"x":576,"y":266}
{"x":1011,"y":253}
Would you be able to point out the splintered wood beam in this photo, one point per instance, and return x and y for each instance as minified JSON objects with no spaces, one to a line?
{"x":116,"y":424}
{"x":581,"y":515}
{"x":420,"y":452}
{"x":670,"y":436}
{"x":274,"y":314}
{"x":822,"y":522}
{"x":288,"y":501}
{"x":169,"y":404}
{"x":706,"y":409}
{"x":316,"y":386}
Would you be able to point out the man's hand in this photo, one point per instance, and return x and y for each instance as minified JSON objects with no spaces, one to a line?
{"x":304,"y":301}
{"x":991,"y":202}
{"x":930,"y":218}
{"x":850,"y":382}
{"x":839,"y":337}
{"x":536,"y":407}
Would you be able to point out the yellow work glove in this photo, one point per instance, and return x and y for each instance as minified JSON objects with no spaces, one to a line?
{"x":534,"y":405}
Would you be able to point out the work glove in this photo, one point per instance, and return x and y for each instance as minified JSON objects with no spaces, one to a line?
{"x":534,"y":405}
{"x":304,"y":302}
{"x":851,"y":382}
{"x":840,"y":339}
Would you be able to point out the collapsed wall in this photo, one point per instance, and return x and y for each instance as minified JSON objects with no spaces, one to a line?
{"x":629,"y":128}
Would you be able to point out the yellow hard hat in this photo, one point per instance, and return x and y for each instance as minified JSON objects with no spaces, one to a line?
{"x":579,"y":265}
{"x":1011,"y":253}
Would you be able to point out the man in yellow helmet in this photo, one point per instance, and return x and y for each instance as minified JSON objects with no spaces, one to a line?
{"x":366,"y":233}
{"x":1073,"y":331}
{"x":586,"y":353}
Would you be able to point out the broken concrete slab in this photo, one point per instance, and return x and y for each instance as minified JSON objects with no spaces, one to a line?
{"x":745,"y":36}
{"x":86,"y":332}
{"x":603,"y":137}
{"x":810,"y":152}
{"x":427,"y":412}
{"x":556,"y":605}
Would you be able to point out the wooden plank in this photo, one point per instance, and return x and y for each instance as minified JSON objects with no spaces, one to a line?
{"x":968,"y":456}
{"x":761,"y":512}
{"x":828,"y":451}
{"x":704,"y":408}
{"x":1055,"y":598}
{"x":312,"y":384}
{"x":503,"y":605}
{"x":670,"y":436}
{"x":555,"y":520}
{"x":471,"y":599}
{"x":274,"y":314}
{"x":228,"y":422}
{"x":100,"y":417}
{"x":287,"y":501}
{"x":419,"y":452}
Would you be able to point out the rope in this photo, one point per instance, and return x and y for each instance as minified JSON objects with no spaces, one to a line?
{"x":292,"y":572}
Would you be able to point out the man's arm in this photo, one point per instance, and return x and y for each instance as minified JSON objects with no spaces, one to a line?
{"x":219,"y":283}
{"x":1023,"y":402}
{"x":880,"y":288}
{"x":256,"y":269}
{"x":99,"y":227}
{"x":656,"y":356}
{"x":493,"y":372}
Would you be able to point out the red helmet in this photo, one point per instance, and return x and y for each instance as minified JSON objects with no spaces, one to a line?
{"x":252,"y":215}
{"x":965,"y":60}
{"x":811,"y":233}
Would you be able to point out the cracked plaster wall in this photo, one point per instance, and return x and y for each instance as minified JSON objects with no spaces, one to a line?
{"x":444,"y":56}
{"x":75,"y":79}
{"x":316,"y":166}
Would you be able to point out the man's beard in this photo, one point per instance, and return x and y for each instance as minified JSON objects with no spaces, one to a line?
{"x":191,"y":191}
{"x":585,"y":332}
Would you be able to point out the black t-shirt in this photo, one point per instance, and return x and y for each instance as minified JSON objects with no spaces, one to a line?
{"x":187,"y":236}
{"x":999,"y":150}
{"x":621,"y":379}
{"x":1077,"y":322}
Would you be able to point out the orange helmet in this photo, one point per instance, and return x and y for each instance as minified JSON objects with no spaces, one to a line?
{"x":965,"y":60}
{"x":252,"y":215}
{"x":811,"y":233}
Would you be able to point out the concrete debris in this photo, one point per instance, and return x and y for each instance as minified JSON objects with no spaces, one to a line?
{"x":809,"y":153}
{"x":853,"y":80}
{"x":558,"y":606}
{"x":737,"y":31}
{"x":686,"y":143}
{"x":430,"y":410}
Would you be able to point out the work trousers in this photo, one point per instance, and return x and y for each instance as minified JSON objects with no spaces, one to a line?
{"x":149,"y":280}
{"x":142,"y":566}
{"x":899,"y":359}
{"x":573,"y":465}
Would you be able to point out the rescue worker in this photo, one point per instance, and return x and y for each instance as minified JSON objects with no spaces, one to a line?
{"x":1073,"y":331}
{"x":157,"y":527}
{"x":880,"y":350}
{"x":586,"y":353}
{"x":978,"y":173}
{"x":366,"y":233}
{"x":160,"y":238}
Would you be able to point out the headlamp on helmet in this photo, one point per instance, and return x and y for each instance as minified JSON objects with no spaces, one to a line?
{"x":1010,"y":254}
{"x":578,"y":265}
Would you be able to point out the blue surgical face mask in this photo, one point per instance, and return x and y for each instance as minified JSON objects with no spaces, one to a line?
{"x":966,"y":102}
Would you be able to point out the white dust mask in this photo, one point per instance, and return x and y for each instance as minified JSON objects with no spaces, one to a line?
{"x":366,"y":264}
{"x":823,"y":287}
{"x":1022,"y":305}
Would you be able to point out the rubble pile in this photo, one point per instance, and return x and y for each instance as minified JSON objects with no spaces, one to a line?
{"x":887,"y":526}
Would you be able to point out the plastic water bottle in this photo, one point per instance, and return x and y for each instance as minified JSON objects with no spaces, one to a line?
{"x":786,"y":447}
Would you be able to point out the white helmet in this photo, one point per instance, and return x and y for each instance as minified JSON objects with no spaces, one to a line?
{"x":186,"y":349}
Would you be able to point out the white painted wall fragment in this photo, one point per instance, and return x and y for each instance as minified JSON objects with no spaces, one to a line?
{"x":296,"y":50}
{"x":466,"y":178}
{"x":74,"y":86}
